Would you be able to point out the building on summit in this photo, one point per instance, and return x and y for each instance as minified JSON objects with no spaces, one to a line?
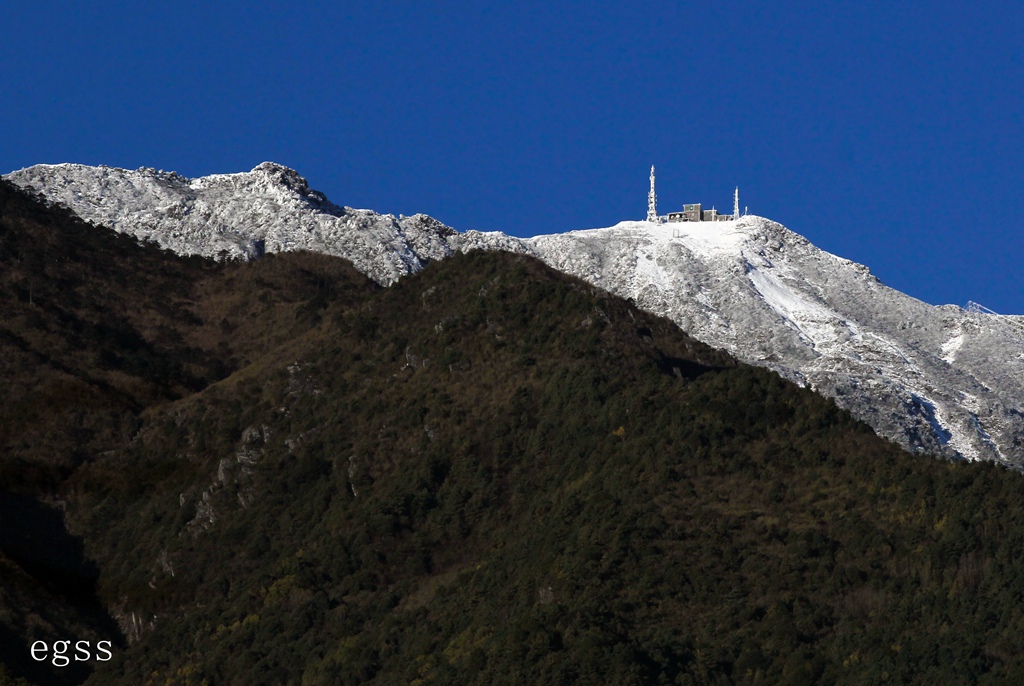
{"x":692,"y":212}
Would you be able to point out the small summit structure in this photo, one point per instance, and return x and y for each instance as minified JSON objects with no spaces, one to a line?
{"x":652,"y":201}
{"x":691,"y":212}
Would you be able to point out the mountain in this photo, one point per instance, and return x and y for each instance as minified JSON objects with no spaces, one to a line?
{"x":95,"y":327}
{"x":489,"y":473}
{"x":933,"y":379}
{"x":270,"y":209}
{"x":95,"y":331}
{"x":936,"y":379}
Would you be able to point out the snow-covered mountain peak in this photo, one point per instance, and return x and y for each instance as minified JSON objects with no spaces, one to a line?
{"x":271,"y":208}
{"x":286,"y":175}
{"x":931,"y":378}
{"x":271,"y":179}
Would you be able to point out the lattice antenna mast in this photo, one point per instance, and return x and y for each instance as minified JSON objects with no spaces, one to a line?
{"x":652,"y":201}
{"x":736,"y":204}
{"x":979,"y":309}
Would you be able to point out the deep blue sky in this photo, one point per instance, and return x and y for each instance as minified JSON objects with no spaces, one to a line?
{"x":888,"y":133}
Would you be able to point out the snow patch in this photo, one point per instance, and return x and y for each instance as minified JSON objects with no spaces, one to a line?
{"x":953,"y":345}
{"x":804,"y":316}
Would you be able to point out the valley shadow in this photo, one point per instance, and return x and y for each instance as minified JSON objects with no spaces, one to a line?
{"x":50,"y":591}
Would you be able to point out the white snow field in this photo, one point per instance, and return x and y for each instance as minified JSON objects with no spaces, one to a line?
{"x":935,"y":379}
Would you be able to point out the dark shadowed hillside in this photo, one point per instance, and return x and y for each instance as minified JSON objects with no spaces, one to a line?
{"x":94,"y":329}
{"x":493,"y":473}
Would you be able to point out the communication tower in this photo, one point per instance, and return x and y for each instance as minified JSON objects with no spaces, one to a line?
{"x":652,"y":201}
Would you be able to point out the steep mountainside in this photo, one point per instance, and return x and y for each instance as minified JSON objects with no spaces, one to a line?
{"x":95,"y":327}
{"x":95,"y":330}
{"x":489,"y":473}
{"x":494,"y":474}
{"x":935,"y":379}
{"x":938,"y":379}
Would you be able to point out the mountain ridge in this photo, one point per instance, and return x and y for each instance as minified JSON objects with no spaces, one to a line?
{"x":933,"y":379}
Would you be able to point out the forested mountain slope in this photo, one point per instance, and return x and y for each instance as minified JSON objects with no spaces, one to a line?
{"x":490,"y":472}
{"x":94,"y":329}
{"x":933,"y":379}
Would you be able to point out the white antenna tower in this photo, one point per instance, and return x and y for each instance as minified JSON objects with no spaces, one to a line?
{"x":736,"y":204}
{"x":652,"y":201}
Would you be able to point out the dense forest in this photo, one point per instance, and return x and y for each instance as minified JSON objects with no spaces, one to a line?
{"x":489,"y":473}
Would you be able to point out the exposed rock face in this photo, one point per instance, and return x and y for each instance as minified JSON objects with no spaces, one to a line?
{"x":935,"y":379}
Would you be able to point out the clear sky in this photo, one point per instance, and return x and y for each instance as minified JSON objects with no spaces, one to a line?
{"x":889,"y":133}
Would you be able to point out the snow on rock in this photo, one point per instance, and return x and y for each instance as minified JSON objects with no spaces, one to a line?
{"x":955,"y":342}
{"x":269,"y":208}
{"x":936,"y":379}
